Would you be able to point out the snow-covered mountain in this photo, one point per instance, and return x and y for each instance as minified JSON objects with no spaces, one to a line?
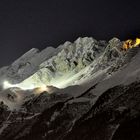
{"x":84,"y":90}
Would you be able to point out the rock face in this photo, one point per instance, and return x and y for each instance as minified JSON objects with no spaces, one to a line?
{"x":94,"y":93}
{"x":66,"y":61}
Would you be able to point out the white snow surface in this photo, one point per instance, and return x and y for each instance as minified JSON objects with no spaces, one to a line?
{"x":30,"y":69}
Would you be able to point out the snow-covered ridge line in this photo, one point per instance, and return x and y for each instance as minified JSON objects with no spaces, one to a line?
{"x":34,"y":59}
{"x":95,"y":86}
{"x":68,"y":63}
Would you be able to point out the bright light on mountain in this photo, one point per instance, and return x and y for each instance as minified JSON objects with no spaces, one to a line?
{"x":7,"y":85}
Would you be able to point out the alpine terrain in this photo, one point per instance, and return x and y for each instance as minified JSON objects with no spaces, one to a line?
{"x":85,"y":90}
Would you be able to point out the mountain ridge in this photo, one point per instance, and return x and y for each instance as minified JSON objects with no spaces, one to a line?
{"x":91,"y":91}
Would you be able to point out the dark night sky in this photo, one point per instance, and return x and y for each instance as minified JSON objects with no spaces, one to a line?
{"x":27,"y":24}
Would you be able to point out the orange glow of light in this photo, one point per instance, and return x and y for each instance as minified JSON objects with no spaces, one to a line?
{"x":128,"y":44}
{"x":40,"y":90}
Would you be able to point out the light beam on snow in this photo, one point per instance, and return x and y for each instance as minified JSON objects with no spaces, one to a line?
{"x":36,"y":90}
{"x":7,"y":85}
{"x":58,"y":82}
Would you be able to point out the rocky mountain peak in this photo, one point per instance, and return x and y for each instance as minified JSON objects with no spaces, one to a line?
{"x":87,"y":89}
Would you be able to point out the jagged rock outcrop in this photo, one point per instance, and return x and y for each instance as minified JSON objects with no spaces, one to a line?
{"x":75,"y":57}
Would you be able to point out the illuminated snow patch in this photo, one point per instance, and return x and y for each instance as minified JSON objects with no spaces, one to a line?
{"x":7,"y":85}
{"x":60,"y":82}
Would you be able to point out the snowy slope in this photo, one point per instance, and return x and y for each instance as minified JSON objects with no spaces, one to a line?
{"x":84,"y":63}
{"x":92,"y":89}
